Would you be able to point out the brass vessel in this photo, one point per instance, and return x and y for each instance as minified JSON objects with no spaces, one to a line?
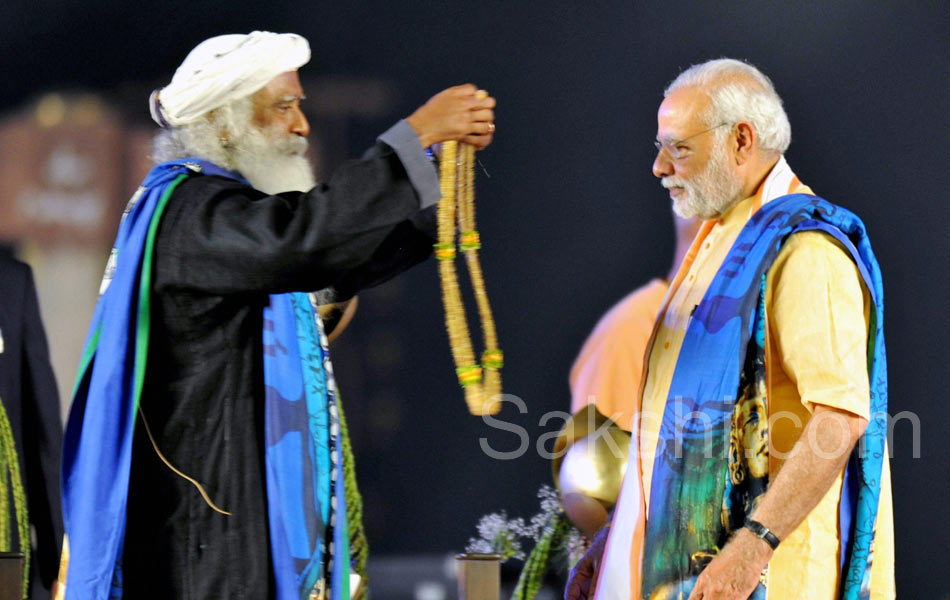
{"x":589,"y":465}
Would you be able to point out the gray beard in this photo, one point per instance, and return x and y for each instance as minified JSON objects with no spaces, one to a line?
{"x":273,"y":165}
{"x":711,"y":193}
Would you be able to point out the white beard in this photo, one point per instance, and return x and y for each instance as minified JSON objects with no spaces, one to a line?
{"x":273,"y":165}
{"x":709,"y":194}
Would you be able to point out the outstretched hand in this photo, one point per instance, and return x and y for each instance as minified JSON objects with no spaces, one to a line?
{"x":459,"y":113}
{"x":583,"y":579}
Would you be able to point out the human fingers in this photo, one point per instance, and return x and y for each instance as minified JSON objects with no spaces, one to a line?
{"x":479,"y":141}
{"x":480,"y":128}
{"x":465,"y":89}
{"x":591,"y":588}
{"x":577,"y":588}
{"x":485,"y":101}
{"x":483,"y":114}
{"x":594,"y":576}
{"x":572,"y":592}
{"x":697,"y":591}
{"x":578,"y":583}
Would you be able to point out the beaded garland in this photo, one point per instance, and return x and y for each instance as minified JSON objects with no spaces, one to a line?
{"x":456,"y":212}
{"x":10,"y":481}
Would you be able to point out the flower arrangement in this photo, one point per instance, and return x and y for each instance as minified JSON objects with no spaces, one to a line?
{"x":549,"y":529}
{"x":500,"y":535}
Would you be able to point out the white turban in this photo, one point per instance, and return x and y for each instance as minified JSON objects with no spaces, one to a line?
{"x":226,"y":68}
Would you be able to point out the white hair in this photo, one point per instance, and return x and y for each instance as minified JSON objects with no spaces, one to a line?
{"x":209,"y":138}
{"x":227,"y":137}
{"x":739,"y":92}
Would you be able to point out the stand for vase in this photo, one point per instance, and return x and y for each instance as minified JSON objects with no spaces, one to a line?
{"x":479,"y":576}
{"x":11,"y":575}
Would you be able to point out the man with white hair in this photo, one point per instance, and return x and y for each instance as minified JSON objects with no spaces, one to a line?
{"x":204,"y":455}
{"x":765,"y":371}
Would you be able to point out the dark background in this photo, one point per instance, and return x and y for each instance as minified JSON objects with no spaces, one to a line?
{"x":571,"y":217}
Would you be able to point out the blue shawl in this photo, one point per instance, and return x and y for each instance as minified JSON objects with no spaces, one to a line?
{"x":686,"y":525}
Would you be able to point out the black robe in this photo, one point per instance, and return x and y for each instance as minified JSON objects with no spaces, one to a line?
{"x":221,"y":248}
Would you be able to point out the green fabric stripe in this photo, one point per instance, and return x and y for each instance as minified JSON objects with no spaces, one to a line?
{"x":144,"y":318}
{"x":87,"y":354}
{"x":141,"y":349}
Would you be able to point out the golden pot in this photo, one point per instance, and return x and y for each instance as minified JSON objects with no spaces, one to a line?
{"x":589,"y":465}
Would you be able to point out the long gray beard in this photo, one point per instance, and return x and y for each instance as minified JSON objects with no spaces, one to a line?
{"x":273,"y":166}
{"x":276,"y":166}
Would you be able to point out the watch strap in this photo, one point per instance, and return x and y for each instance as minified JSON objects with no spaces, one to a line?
{"x":762,"y":532}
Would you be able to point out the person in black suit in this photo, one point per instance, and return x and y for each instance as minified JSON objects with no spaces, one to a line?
{"x":31,"y":401}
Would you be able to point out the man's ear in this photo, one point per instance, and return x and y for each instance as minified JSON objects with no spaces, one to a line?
{"x":223,"y":134}
{"x":745,"y":140}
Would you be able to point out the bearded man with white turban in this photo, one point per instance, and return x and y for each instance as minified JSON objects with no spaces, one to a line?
{"x":204,"y":454}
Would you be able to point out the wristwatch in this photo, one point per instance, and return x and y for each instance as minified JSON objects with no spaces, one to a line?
{"x":762,"y":532}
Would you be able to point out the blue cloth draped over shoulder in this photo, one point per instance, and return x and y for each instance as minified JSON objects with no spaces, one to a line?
{"x":303,"y":460}
{"x":691,"y":467}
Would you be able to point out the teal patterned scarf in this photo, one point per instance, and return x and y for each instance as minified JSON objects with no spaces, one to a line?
{"x":704,"y":484}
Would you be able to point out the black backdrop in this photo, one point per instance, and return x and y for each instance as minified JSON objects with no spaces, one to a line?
{"x":571,"y":216}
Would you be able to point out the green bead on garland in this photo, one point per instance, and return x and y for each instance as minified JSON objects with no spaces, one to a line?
{"x":493,"y":359}
{"x":444,"y":251}
{"x":469,"y":375}
{"x":469,"y":240}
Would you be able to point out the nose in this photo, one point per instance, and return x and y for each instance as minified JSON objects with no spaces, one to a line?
{"x":300,"y":125}
{"x":662,"y":165}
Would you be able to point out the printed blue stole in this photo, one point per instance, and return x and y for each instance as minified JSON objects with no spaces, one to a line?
{"x":303,"y":457}
{"x":694,"y":502}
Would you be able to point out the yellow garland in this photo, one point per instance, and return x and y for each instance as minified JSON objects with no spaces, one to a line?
{"x":456,"y":212}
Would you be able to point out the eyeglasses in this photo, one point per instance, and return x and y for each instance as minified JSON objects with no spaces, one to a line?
{"x":674,"y":148}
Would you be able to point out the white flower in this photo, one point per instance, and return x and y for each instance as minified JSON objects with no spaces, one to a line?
{"x":498,"y":535}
